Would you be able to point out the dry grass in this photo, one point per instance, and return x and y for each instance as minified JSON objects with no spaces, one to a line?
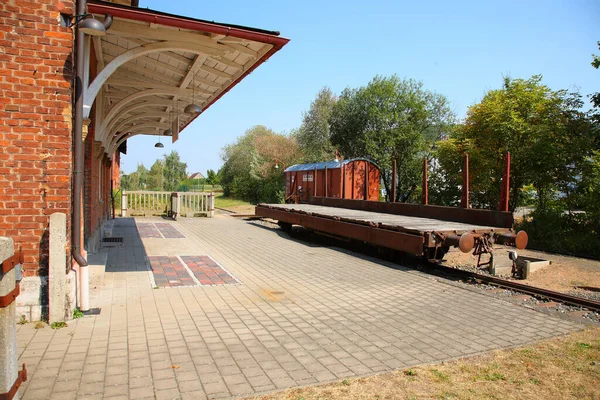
{"x":561,"y":368}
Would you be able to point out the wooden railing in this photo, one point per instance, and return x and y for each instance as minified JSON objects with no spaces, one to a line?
{"x":188,"y":204}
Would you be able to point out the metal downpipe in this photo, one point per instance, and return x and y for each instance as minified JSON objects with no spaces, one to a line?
{"x":78,"y":166}
{"x":78,"y":144}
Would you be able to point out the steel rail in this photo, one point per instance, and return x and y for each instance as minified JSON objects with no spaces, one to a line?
{"x":531,"y":290}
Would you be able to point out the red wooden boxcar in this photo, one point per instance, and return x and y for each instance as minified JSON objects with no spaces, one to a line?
{"x":348,"y":179}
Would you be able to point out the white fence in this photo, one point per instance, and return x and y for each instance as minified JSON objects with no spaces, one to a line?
{"x":187,"y":204}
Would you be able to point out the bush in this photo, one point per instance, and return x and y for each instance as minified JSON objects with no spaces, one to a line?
{"x":558,"y":231}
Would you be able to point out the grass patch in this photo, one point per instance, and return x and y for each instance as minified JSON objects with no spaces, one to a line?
{"x":563,"y":368}
{"x":225,"y":202}
{"x":22,"y":320}
{"x":77,"y":313}
{"x":39,"y":325}
{"x":58,"y":325}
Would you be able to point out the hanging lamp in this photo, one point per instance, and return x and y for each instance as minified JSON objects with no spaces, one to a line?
{"x":193,"y":108}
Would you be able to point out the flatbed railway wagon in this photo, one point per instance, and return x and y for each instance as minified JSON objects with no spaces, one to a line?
{"x":426,"y":231}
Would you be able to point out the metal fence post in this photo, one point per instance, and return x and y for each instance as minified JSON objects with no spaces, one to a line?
{"x":8,"y":323}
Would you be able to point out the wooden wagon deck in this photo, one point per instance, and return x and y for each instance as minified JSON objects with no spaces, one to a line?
{"x":397,"y":222}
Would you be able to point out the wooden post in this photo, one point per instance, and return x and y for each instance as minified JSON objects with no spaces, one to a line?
{"x":465,"y":187}
{"x":505,"y":191}
{"x":425,"y":195}
{"x":394,"y":173}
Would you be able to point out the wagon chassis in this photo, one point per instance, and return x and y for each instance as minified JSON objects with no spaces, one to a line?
{"x":431,"y":244}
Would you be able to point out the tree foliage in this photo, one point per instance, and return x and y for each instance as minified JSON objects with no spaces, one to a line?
{"x":314,"y":133}
{"x":391,"y":118}
{"x":212,"y":178}
{"x":174,"y":171}
{"x":546,"y":132}
{"x":249,"y":172}
{"x":165,"y":174}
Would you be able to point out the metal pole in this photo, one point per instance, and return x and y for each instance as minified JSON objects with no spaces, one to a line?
{"x":394,"y":177}
{"x":425,"y":198}
{"x":465,"y":187}
{"x":505,"y":191}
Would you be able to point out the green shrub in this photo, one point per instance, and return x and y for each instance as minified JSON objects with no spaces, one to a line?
{"x":558,"y":231}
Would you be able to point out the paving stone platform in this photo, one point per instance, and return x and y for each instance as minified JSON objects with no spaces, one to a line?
{"x":301,"y":314}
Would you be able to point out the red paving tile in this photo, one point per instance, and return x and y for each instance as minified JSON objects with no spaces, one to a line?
{"x":168,"y":271}
{"x":147,"y":230}
{"x":207,"y":271}
{"x":169,"y":231}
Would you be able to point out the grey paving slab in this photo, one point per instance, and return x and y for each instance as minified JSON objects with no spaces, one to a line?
{"x":300,"y":314}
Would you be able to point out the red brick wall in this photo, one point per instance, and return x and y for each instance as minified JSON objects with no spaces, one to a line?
{"x":35,"y":133}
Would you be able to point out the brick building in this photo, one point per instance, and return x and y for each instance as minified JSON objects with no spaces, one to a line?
{"x":61,"y":140}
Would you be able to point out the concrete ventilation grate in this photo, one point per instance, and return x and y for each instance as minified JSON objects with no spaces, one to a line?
{"x":113,"y":239}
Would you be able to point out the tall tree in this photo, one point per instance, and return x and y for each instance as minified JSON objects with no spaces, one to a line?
{"x":211,"y":177}
{"x":155,"y":179}
{"x":174,"y":171}
{"x":314,"y":133}
{"x":391,"y":118}
{"x":249,"y":171}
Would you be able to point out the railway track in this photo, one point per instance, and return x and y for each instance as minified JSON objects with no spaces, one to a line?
{"x":520,"y":287}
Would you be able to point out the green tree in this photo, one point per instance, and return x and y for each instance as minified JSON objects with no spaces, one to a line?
{"x":249,"y":172}
{"x":211,"y":177}
{"x":391,"y":118}
{"x":314,"y":133}
{"x":174,"y":171}
{"x":136,"y":180}
{"x":545,"y":131}
{"x":155,"y":179}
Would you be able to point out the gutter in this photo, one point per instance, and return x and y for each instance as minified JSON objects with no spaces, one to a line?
{"x":185,"y":23}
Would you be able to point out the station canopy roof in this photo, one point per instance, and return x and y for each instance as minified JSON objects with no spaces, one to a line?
{"x":325,"y":164}
{"x":150,"y":65}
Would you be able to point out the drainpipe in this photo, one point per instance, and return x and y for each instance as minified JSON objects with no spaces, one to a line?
{"x":78,"y":166}
{"x":84,"y":283}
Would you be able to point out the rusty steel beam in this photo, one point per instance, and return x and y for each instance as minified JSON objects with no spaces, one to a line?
{"x":496,"y":219}
{"x":412,"y":244}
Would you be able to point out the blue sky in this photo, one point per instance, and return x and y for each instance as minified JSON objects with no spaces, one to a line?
{"x":459,"y":49}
